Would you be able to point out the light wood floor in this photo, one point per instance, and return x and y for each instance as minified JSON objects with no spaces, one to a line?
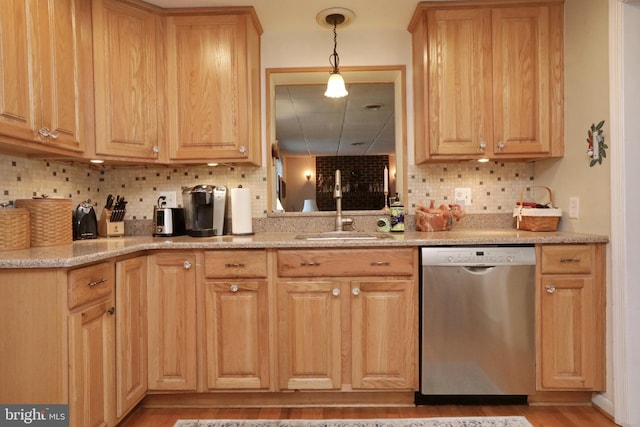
{"x":538,"y":416}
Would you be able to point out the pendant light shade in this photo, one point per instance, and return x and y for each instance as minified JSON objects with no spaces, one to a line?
{"x":335,"y":85}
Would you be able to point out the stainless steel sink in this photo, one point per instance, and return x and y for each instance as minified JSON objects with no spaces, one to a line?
{"x":343,"y":235}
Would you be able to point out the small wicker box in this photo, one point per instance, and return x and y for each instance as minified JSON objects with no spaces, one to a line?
{"x":537,"y":219}
{"x":51,"y":220}
{"x":14,"y":228}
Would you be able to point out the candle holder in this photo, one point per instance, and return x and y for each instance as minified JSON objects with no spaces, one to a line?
{"x":386,"y":203}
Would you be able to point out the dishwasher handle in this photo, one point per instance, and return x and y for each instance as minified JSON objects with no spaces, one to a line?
{"x":478,"y":269}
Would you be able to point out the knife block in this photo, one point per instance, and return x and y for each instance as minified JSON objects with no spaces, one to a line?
{"x":106,"y":228}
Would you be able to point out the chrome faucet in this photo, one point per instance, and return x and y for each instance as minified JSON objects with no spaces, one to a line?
{"x":337,"y":194}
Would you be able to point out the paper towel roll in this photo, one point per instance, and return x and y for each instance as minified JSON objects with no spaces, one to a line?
{"x":241,"y":211}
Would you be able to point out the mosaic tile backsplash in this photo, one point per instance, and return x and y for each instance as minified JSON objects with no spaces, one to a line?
{"x":495,"y":186}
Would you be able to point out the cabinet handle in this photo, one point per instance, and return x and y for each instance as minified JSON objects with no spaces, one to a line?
{"x":309,"y":263}
{"x":242,"y":149}
{"x":234,"y":264}
{"x":335,"y":292}
{"x":44,"y":131}
{"x":111,"y":311}
{"x":97,"y":282}
{"x":155,"y":149}
{"x":569,"y":260}
{"x":233,"y":288}
{"x":187,"y":265}
{"x":550,"y":289}
{"x":374,"y":263}
{"x":355,"y":291}
{"x":500,"y":145}
{"x":53,"y":134}
{"x":483,"y":146}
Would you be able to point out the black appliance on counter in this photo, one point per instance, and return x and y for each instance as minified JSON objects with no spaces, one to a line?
{"x":85,"y":223}
{"x":204,"y":207}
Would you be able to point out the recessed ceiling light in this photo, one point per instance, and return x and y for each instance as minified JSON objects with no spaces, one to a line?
{"x":373,"y":107}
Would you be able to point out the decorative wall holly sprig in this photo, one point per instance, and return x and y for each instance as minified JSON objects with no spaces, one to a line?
{"x":597,"y":148}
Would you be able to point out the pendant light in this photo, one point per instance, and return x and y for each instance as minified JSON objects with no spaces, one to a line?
{"x":335,"y":85}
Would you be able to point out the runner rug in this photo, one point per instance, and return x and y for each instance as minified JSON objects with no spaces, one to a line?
{"x":396,"y":422}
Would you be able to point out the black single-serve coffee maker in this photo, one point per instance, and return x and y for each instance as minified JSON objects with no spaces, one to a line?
{"x":204,"y":207}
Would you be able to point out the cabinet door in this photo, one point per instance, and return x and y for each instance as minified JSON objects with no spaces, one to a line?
{"x":567,"y":330}
{"x":91,"y":342}
{"x":131,"y":333}
{"x":65,"y":61}
{"x":309,"y":335}
{"x":126,"y":80}
{"x":171,"y":300}
{"x":459,"y":79}
{"x":18,"y":92}
{"x":522,"y":63}
{"x":209,"y":89}
{"x":384,"y":334}
{"x":236,"y":319}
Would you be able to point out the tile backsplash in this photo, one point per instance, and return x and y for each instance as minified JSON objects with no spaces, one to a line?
{"x":495,"y":185}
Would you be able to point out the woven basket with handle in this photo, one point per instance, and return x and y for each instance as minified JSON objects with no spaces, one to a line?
{"x":537,"y":219}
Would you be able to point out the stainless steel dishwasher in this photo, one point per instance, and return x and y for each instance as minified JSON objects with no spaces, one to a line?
{"x":477,"y":328}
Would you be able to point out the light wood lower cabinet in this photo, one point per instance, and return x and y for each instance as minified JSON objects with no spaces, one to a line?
{"x":571,"y":322}
{"x":340,"y":332}
{"x":91,"y":344}
{"x":235,"y":314}
{"x":131,"y":333}
{"x":171,"y":298}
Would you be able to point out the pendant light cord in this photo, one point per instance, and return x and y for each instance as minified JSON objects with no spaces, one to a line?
{"x":334,"y":59}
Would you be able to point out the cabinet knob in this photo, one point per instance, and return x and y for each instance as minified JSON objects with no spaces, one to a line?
{"x":233,"y":288}
{"x":355,"y":291}
{"x":111,"y":311}
{"x":44,"y":131}
{"x":335,"y":292}
{"x":483,"y":145}
{"x":155,"y":149}
{"x":500,"y":145}
{"x":242,"y":149}
{"x":53,"y":134}
{"x":550,"y":289}
{"x":187,"y":265}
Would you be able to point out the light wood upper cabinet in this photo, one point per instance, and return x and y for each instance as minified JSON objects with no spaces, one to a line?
{"x":128,"y":106}
{"x":571,"y":323}
{"x":488,"y":80}
{"x":131,"y":333}
{"x":171,"y":299}
{"x":46,"y":77}
{"x":213,"y":86}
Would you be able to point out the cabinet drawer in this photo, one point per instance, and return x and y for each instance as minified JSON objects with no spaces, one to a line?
{"x":346,"y":262}
{"x":235,"y":264}
{"x":90,"y":283}
{"x":570,"y":259}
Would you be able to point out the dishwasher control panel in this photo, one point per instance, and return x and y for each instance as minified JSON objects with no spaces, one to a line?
{"x":478,"y":256}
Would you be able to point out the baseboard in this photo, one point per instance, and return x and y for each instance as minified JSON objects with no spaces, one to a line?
{"x":604,"y":405}
{"x":278,"y":399}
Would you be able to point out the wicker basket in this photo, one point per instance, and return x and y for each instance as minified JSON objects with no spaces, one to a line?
{"x":537,"y":219}
{"x":51,"y":220}
{"x":14,"y":229}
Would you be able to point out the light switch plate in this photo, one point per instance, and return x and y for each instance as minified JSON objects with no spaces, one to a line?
{"x":574,"y":207}
{"x":462,"y":194}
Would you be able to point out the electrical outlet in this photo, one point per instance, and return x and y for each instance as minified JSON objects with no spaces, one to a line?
{"x":171,"y":198}
{"x":462,"y":194}
{"x":574,"y":207}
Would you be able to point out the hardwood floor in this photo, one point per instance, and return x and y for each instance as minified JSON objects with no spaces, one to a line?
{"x":538,"y":416}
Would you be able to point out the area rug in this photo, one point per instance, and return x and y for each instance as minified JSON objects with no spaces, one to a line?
{"x":380,"y":422}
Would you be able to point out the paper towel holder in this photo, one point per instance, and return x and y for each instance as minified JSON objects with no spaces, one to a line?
{"x":246,"y":229}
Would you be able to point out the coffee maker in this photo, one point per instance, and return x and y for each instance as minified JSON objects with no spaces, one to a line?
{"x":204,"y":207}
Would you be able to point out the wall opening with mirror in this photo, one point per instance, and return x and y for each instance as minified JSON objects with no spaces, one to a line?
{"x":360,"y":134}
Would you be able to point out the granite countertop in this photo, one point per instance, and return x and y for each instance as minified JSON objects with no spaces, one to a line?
{"x":88,"y":251}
